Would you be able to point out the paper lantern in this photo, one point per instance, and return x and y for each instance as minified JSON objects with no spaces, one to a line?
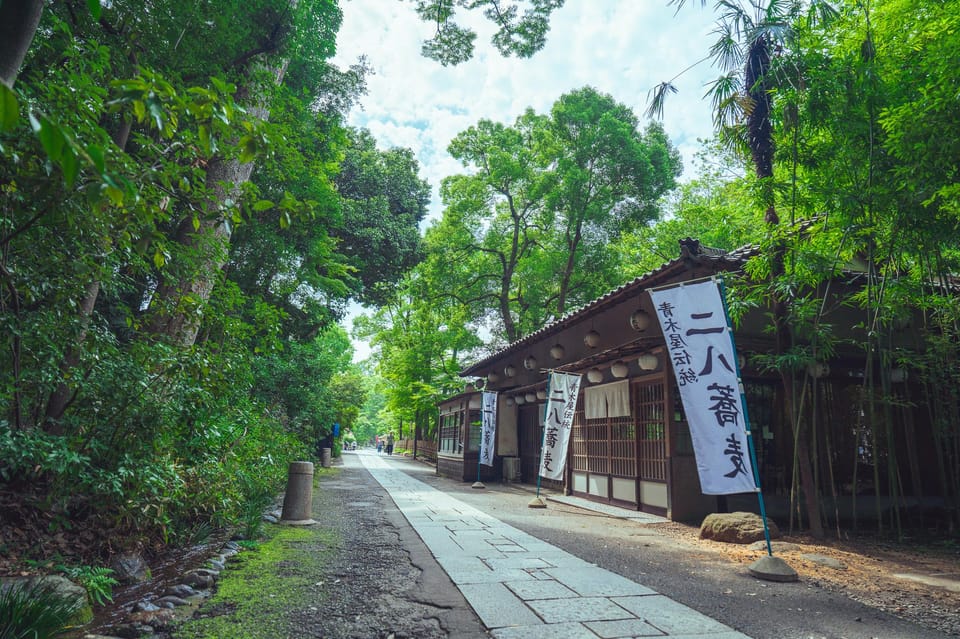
{"x":530,"y":363}
{"x":591,"y":339}
{"x":510,"y":370}
{"x":648,"y":362}
{"x":619,"y":369}
{"x":640,"y":320}
{"x":557,"y":351}
{"x":594,"y":375}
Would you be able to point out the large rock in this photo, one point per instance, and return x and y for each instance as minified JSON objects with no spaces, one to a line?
{"x":130,"y":568}
{"x":736,"y":528}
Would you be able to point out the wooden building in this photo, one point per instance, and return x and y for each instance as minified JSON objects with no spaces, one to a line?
{"x":630,"y":445}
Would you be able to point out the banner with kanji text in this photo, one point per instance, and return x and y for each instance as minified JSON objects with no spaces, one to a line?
{"x":562,"y":392}
{"x":488,"y":427}
{"x":700,"y":347}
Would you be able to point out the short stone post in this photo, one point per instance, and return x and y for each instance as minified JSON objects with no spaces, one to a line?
{"x":325,"y":457}
{"x":298,"y":499}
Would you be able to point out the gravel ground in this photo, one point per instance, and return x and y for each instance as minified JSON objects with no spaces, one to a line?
{"x":383,"y":584}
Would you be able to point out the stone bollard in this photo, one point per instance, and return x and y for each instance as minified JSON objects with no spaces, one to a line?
{"x":298,"y":499}
{"x":325,"y":457}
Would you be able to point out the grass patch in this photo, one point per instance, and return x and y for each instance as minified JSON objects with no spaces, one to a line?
{"x":266,"y":585}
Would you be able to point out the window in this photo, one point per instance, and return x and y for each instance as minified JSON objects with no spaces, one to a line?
{"x":450,"y":441}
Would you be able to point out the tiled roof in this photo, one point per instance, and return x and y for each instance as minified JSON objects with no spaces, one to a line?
{"x":690,"y":249}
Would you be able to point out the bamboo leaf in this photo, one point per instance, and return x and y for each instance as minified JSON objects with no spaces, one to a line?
{"x":9,"y":108}
{"x":51,"y":138}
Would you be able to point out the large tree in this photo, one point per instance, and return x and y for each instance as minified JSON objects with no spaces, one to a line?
{"x":492,"y":220}
{"x":383,"y":201}
{"x":606,"y":177}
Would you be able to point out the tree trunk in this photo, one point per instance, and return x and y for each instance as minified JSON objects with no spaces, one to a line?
{"x":180,"y":304}
{"x":63,"y":394}
{"x":18,"y":23}
{"x":179,"y":309}
{"x":572,"y":245}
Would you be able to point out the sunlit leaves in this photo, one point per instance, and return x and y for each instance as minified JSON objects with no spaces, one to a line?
{"x":519,"y":33}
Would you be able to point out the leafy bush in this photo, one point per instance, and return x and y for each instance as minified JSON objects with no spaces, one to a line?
{"x":34,"y":610}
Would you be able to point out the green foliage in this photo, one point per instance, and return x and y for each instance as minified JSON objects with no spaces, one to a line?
{"x":519,"y":34}
{"x":34,"y":610}
{"x":96,"y":580}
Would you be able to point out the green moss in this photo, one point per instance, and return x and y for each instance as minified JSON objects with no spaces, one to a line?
{"x":259,"y":591}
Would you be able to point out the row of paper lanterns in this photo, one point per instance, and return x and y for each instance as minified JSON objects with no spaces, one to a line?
{"x":639,"y":321}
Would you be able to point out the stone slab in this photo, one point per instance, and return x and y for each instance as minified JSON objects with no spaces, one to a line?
{"x":671,"y":617}
{"x":537,"y":589}
{"x":578,"y":609}
{"x":591,"y":581}
{"x":625,"y":628}
{"x":487,"y":576}
{"x":497,"y":606}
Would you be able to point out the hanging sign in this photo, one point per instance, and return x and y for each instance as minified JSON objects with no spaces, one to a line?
{"x":562,"y":392}
{"x":698,"y":338}
{"x":488,"y":427}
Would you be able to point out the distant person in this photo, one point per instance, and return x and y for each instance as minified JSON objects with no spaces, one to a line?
{"x":390,"y":444}
{"x":379,"y":445}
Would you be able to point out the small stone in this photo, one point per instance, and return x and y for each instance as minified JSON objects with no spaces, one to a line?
{"x":155,"y":620}
{"x":145,"y":606}
{"x":823,"y":560}
{"x":170,"y":601}
{"x":180,"y":590}
{"x":196,"y":580}
{"x":207,"y":571}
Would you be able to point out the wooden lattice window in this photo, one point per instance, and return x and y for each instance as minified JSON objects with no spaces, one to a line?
{"x":651,"y":426}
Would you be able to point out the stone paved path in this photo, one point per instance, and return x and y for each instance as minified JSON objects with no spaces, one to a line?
{"x":524,"y":588}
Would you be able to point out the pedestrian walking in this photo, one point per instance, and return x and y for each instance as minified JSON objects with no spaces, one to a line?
{"x":379,"y":445}
{"x":390,"y":443}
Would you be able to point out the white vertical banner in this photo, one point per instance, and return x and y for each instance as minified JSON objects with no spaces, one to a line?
{"x":488,"y":427}
{"x":562,"y":392}
{"x":698,"y":338}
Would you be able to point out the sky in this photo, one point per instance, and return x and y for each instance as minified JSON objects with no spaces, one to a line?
{"x":619,"y":47}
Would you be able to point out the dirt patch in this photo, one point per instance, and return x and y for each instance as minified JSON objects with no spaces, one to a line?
{"x":869,"y":572}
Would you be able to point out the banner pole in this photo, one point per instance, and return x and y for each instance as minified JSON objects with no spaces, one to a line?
{"x":746,"y":417}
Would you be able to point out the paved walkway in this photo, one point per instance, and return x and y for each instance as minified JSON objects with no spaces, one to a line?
{"x":524,"y":588}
